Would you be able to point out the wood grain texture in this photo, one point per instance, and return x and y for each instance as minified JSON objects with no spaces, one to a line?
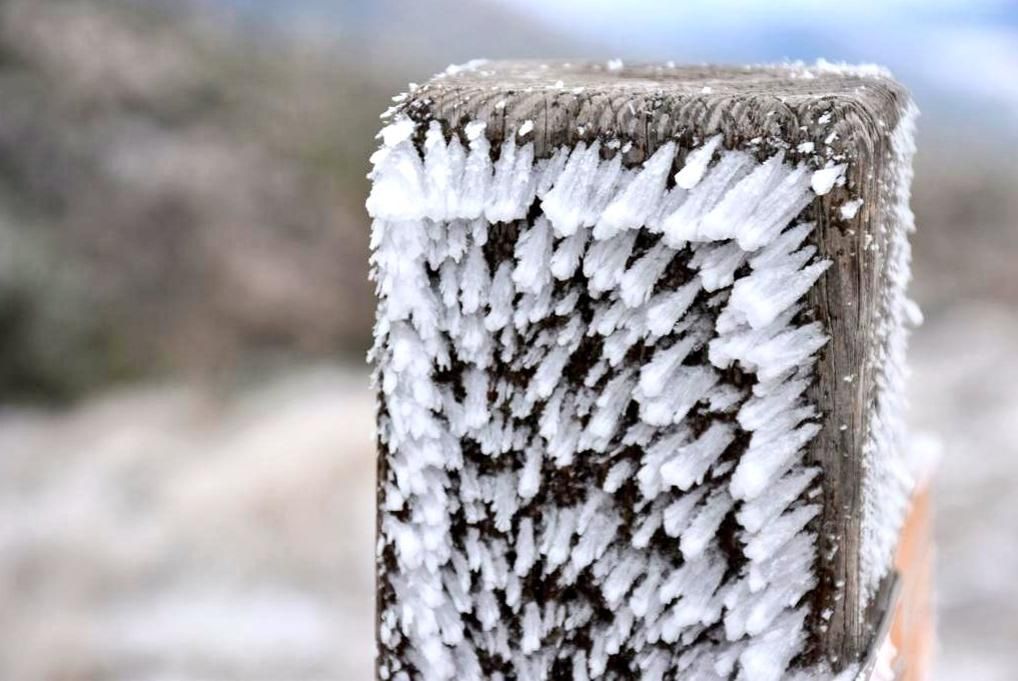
{"x":846,"y":117}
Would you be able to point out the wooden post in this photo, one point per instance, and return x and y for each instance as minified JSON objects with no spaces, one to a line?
{"x":478,"y":486}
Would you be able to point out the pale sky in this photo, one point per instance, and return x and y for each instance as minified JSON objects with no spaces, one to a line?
{"x":961,"y":50}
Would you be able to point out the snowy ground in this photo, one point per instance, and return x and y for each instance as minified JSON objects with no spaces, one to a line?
{"x":965,"y":388}
{"x":165,"y":534}
{"x":168,"y":534}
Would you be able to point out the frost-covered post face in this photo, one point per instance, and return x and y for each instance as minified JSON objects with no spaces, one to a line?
{"x":639,"y":353}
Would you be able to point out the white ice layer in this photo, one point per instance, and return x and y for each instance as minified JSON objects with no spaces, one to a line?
{"x":444,"y":305}
{"x":887,"y":480}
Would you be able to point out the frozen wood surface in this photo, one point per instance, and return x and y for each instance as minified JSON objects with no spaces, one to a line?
{"x":798,"y":111}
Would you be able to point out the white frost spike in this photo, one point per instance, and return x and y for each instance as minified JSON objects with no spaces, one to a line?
{"x":513,"y":186}
{"x":505,"y":501}
{"x":566,"y":202}
{"x":610,"y":406}
{"x":639,"y":280}
{"x":849,"y":209}
{"x":608,"y":318}
{"x":474,"y":281}
{"x":690,"y":385}
{"x":776,"y":252}
{"x":580,"y":667}
{"x":767,"y":656}
{"x":398,"y":184}
{"x":723,"y":398}
{"x":455,"y":237}
{"x":761,"y":410}
{"x":605,"y":261}
{"x":568,"y":254}
{"x":696,"y":163}
{"x":525,"y":550}
{"x":723,"y":221}
{"x":670,"y":203}
{"x":443,"y":180}
{"x":649,"y":525}
{"x":702,"y":528}
{"x":608,"y":181}
{"x":635,"y":204}
{"x":594,"y":539}
{"x":567,"y":303}
{"x":762,"y":296}
{"x":531,"y":628}
{"x":786,"y":350}
{"x":549,"y":371}
{"x":475,"y":385}
{"x":691,"y":462}
{"x":779,"y":207}
{"x":645,"y":596}
{"x":655,"y":374}
{"x":692,"y":579}
{"x":824,"y":179}
{"x":557,"y":539}
{"x":665,"y":309}
{"x":500,"y":299}
{"x":449,"y":288}
{"x":551,"y":170}
{"x":457,"y":157}
{"x":617,"y":475}
{"x":622,"y":577}
{"x":678,"y":514}
{"x":717,"y":264}
{"x":764,"y":460}
{"x":734,"y":343}
{"x":550,"y":417}
{"x":755,"y":514}
{"x":776,"y":534}
{"x":702,"y":577}
{"x":795,"y":557}
{"x":476,"y":172}
{"x":649,"y":475}
{"x":479,"y":231}
{"x":400,"y":130}
{"x":474,"y":130}
{"x":726,"y":659}
{"x":684,"y":224}
{"x":530,"y":476}
{"x":408,"y":544}
{"x":533,"y":255}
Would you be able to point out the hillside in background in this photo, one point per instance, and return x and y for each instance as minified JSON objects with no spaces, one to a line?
{"x":174,"y":196}
{"x":181,"y":185}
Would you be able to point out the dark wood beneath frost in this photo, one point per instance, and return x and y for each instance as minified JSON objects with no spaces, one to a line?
{"x":846,"y":118}
{"x":651,"y":104}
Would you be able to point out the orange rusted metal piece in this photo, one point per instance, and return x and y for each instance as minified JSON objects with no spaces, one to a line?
{"x":912,"y":631}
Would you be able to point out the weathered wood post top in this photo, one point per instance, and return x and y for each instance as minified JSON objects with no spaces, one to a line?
{"x":640,"y":361}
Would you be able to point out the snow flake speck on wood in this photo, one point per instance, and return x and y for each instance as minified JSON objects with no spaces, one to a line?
{"x":616,"y":306}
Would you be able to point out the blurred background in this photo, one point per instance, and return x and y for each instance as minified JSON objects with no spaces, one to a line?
{"x":186,"y":461}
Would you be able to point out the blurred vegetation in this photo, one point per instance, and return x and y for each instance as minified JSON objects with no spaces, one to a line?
{"x":174,"y":195}
{"x":181,"y":190}
{"x":966,"y":211}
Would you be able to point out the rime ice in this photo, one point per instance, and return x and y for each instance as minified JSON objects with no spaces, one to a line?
{"x":595,"y":376}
